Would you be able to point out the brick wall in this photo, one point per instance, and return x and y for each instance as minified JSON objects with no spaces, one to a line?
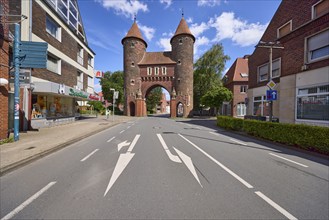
{"x":4,"y":69}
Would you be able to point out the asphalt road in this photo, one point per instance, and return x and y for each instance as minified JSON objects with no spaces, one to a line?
{"x":159,"y":168}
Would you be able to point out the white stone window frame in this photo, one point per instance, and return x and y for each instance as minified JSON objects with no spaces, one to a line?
{"x":164,"y":70}
{"x":52,"y":66}
{"x":149,"y":71}
{"x":284,"y":25}
{"x":156,"y":71}
{"x":51,"y":21}
{"x":315,"y":42}
{"x":243,"y":88}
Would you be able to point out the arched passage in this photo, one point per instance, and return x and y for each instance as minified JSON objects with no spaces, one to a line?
{"x":132,"y":109}
{"x":162,"y":95}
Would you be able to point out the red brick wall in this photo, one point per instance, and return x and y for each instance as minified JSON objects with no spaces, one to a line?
{"x":4,"y":70}
{"x":292,"y":56}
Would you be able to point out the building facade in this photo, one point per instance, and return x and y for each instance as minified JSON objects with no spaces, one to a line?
{"x":53,"y":95}
{"x":300,"y":69}
{"x":172,"y":70}
{"x":236,"y":80}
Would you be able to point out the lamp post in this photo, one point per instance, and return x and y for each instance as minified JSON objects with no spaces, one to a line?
{"x":113,"y":102}
{"x":271,"y":45}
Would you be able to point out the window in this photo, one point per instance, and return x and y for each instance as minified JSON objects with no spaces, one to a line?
{"x":284,"y":29}
{"x":313,"y":103}
{"x":243,"y":89}
{"x":149,"y":70}
{"x":318,"y":46}
{"x":53,"y":28}
{"x":90,"y":81}
{"x":79,"y":80}
{"x":244,"y":75}
{"x":320,"y":8}
{"x":263,"y":70}
{"x":53,"y":64}
{"x":90,"y":60}
{"x":241,"y":109}
{"x":156,"y":70}
{"x":164,"y":70}
{"x":180,"y":41}
{"x":62,"y":6}
{"x":133,"y":64}
{"x":132,"y":45}
{"x":80,"y":55}
{"x":179,"y":62}
{"x":260,"y":106}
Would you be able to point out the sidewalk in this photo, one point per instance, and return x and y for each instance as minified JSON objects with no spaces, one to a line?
{"x":36,"y":144}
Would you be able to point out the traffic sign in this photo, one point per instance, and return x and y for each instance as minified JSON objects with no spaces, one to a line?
{"x":271,"y":95}
{"x":33,"y":54}
{"x":271,"y":84}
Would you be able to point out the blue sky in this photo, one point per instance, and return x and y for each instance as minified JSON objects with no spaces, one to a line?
{"x":237,"y":24}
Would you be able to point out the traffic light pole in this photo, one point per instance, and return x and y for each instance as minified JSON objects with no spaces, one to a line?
{"x":16,"y":82}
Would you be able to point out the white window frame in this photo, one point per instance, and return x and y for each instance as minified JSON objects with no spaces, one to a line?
{"x":58,"y":34}
{"x":258,"y":72}
{"x":243,"y":88}
{"x":278,"y":30}
{"x":313,"y":9}
{"x":156,"y":71}
{"x":80,"y":54}
{"x":164,"y":70}
{"x":149,"y":71}
{"x":90,"y":61}
{"x":323,"y":44}
{"x":273,"y":69}
{"x":241,"y":108}
{"x":90,"y":82}
{"x":263,"y":103}
{"x":58,"y":68}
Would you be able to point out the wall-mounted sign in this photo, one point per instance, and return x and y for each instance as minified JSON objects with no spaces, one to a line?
{"x":77,"y":93}
{"x":99,"y":74}
{"x":94,"y":97}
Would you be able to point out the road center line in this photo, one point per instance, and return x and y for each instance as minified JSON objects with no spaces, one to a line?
{"x":89,"y":155}
{"x":27,"y":202}
{"x":276,"y":206}
{"x":283,"y":158}
{"x":122,"y":131}
{"x":219,"y":164}
{"x":239,"y":142}
{"x":110,"y":140}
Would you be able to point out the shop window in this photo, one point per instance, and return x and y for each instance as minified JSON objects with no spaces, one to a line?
{"x":320,"y":8}
{"x":260,"y":106}
{"x":53,"y":28}
{"x":53,"y":64}
{"x":318,"y":46}
{"x":284,"y":29}
{"x":313,"y":103}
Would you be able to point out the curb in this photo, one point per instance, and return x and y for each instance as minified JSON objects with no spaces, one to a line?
{"x":7,"y":169}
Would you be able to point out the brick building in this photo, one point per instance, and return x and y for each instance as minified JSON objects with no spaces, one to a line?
{"x":300,"y":70}
{"x":54,"y":93}
{"x":172,"y":70}
{"x":4,"y":68}
{"x":236,"y":80}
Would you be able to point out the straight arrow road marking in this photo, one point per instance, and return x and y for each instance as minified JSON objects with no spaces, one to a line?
{"x":123,"y":144}
{"x":188,"y":162}
{"x":172,"y":157}
{"x":89,"y":155}
{"x":133,"y":143}
{"x":122,"y":163}
{"x":28,"y":201}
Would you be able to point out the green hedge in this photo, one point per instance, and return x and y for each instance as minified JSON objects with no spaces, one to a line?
{"x":314,"y":138}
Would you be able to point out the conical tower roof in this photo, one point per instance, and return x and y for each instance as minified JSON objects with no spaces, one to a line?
{"x":182,"y":29}
{"x":134,"y":32}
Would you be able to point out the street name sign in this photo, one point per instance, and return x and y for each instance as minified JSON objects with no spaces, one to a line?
{"x":33,"y":54}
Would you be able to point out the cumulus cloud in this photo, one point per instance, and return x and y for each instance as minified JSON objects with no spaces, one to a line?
{"x":200,"y":41}
{"x":164,"y":43}
{"x":128,"y":8}
{"x":147,"y":31}
{"x":189,"y":20}
{"x":198,"y":29}
{"x":166,"y":2}
{"x":211,"y":3}
{"x":239,"y":31}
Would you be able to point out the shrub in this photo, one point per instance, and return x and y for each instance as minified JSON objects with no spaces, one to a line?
{"x":308,"y":137}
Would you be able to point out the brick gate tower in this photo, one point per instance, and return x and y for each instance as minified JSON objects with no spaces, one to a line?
{"x":172,"y":70}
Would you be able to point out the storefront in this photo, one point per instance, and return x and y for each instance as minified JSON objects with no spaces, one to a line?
{"x":53,"y":104}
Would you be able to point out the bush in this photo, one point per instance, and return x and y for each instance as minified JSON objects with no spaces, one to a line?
{"x":308,"y":137}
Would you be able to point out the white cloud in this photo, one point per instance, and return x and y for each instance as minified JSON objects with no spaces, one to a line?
{"x":211,"y":3}
{"x":166,"y":2}
{"x":127,"y":8}
{"x":198,"y":29}
{"x":189,"y":20}
{"x":200,"y":41}
{"x":240,"y":32}
{"x":147,"y":31}
{"x":164,"y":43}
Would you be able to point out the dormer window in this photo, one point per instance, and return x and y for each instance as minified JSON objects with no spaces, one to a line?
{"x":244,"y":75}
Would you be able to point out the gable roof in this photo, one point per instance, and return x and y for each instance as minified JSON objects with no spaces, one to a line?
{"x":134,"y":32}
{"x":183,"y":29}
{"x":157,"y":58}
{"x":236,"y":72}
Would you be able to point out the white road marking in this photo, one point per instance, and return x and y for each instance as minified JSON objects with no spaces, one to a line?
{"x":239,"y":142}
{"x":27,"y":202}
{"x":133,"y":143}
{"x":89,"y":155}
{"x":123,"y":144}
{"x":214,"y":133}
{"x":276,"y":206}
{"x":128,"y":127}
{"x":188,"y":162}
{"x":122,"y":163}
{"x":172,"y":157}
{"x":122,"y":131}
{"x":219,"y":164}
{"x":288,"y":160}
{"x":110,"y":139}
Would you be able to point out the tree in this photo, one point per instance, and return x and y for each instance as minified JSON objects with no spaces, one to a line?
{"x":97,"y":105}
{"x":153,"y":98}
{"x":208,"y":72}
{"x":216,"y":96}
{"x":113,"y":81}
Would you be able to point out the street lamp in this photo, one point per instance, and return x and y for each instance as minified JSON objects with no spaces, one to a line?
{"x":271,"y":45}
{"x":113,"y":101}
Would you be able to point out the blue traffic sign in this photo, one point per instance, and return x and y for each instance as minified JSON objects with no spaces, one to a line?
{"x":271,"y":95}
{"x":33,"y":54}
